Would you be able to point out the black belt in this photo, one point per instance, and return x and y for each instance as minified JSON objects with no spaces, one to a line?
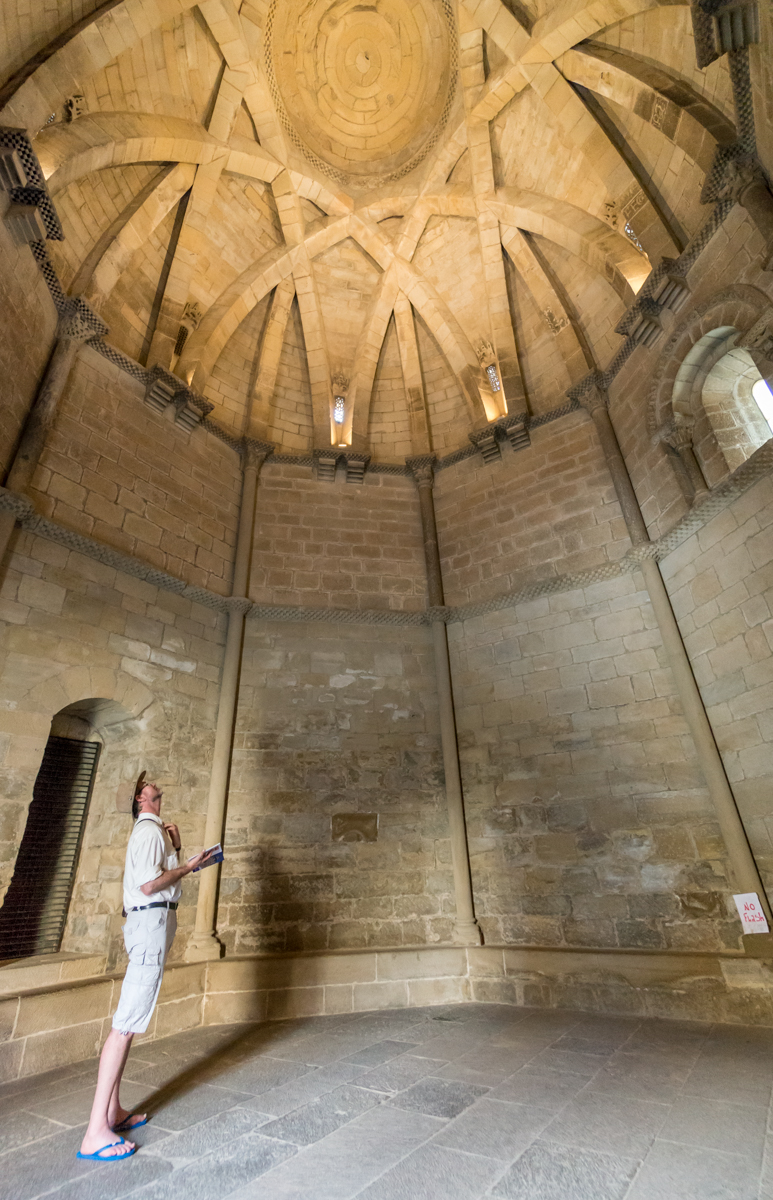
{"x":156,"y":904}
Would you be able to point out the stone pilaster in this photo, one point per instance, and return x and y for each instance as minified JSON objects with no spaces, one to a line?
{"x":203,"y":944}
{"x":466,"y":928}
{"x":78,"y":323}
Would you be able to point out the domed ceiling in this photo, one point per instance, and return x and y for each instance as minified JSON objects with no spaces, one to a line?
{"x":297,"y":200}
{"x":369,"y":86}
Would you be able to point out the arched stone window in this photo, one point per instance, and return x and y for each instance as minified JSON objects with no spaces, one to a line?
{"x":36,"y":910}
{"x":716,"y":395}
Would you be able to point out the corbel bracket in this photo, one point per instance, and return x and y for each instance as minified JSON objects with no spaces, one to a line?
{"x":513,"y":428}
{"x":326,"y":462}
{"x":31,"y":216}
{"x":164,"y":389}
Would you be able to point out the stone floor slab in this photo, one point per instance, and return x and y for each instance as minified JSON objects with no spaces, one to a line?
{"x":495,"y":1129}
{"x":438,"y":1097}
{"x":674,"y":1170}
{"x":550,"y":1172}
{"x":609,"y":1124}
{"x":435,"y":1173}
{"x":514,"y":1105}
{"x":322,"y":1116}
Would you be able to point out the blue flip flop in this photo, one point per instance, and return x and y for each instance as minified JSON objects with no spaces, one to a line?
{"x":125,"y":1127}
{"x":97,"y":1155}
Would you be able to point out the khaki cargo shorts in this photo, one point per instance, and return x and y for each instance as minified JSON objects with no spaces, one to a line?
{"x":148,"y":936}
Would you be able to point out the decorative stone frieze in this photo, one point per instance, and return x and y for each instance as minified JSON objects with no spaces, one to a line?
{"x":516,"y":429}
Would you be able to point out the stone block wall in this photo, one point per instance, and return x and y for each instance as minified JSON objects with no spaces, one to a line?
{"x":721,"y":586}
{"x":335,"y":723}
{"x":547,"y":510}
{"x":71,"y":630}
{"x":29,"y":325}
{"x":588,"y":818}
{"x":337,"y":545}
{"x":132,"y":479}
{"x":228,"y":387}
{"x":389,"y":433}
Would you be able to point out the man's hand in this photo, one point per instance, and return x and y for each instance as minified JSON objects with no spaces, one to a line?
{"x":197,"y":860}
{"x":176,"y":873}
{"x":174,"y":834}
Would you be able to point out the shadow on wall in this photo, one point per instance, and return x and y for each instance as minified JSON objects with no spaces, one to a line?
{"x":285,"y":899}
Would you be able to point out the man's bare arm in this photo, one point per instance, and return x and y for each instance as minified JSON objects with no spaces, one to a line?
{"x":167,"y":878}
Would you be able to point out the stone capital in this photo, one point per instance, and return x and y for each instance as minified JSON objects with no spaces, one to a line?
{"x":422,"y":467}
{"x":679,"y":437}
{"x":254,"y":453}
{"x":590,"y":393}
{"x":739,"y":175}
{"x":79,"y":323}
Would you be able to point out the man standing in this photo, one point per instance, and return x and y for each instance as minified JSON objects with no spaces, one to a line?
{"x":151,"y":892}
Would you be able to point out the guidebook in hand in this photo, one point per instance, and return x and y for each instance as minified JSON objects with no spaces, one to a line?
{"x":214,"y":855}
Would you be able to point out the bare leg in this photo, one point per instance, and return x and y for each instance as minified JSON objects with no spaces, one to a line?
{"x":111,"y":1065}
{"x":116,"y":1113}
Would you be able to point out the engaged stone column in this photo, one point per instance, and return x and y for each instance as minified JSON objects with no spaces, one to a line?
{"x":744,"y":867}
{"x":680,"y":439}
{"x":466,"y":929}
{"x":203,"y":943}
{"x":76,"y":325}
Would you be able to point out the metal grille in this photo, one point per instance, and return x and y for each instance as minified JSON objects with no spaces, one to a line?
{"x":34,"y":912}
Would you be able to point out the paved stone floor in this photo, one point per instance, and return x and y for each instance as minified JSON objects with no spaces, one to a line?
{"x":420,"y":1104}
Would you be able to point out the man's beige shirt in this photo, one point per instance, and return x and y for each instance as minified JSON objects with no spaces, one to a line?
{"x":149,"y":853}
